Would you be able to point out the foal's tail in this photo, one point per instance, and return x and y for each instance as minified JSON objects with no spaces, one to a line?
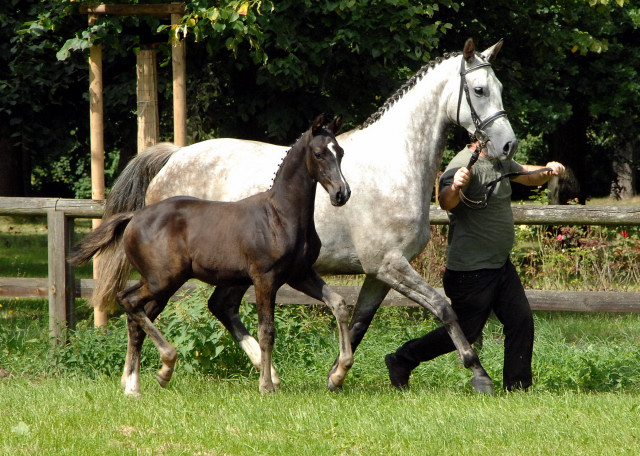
{"x":101,"y":238}
{"x":127,"y":195}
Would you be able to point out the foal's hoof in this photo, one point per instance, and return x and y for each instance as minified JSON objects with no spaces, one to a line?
{"x":332,"y":386}
{"x":482,"y":385}
{"x":163,"y":380}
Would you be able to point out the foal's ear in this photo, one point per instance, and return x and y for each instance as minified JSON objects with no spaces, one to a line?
{"x":317,"y":124}
{"x":491,"y":53}
{"x":469,"y":50}
{"x":335,"y":125}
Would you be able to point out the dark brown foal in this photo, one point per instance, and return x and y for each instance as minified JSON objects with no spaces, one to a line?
{"x":267,"y":240}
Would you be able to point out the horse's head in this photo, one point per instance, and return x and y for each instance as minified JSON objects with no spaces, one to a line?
{"x":478,"y":107}
{"x":324,"y":156}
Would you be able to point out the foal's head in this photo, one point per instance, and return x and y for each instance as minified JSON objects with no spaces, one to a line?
{"x":324,"y":156}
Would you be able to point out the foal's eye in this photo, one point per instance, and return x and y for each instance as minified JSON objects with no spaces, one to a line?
{"x":318,"y":154}
{"x":479,"y":91}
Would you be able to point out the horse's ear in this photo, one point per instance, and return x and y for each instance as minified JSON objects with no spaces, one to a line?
{"x":469,"y":50}
{"x":335,"y":125}
{"x":317,"y":124}
{"x":491,"y":53}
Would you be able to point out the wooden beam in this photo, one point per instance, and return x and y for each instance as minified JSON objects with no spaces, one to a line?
{"x":162,"y":10}
{"x":548,"y":300}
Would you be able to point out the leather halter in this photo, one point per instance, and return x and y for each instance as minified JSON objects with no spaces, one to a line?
{"x":480,"y":124}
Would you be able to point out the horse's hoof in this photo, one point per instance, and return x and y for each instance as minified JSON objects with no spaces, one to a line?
{"x":333,"y":387}
{"x":334,"y":382}
{"x":482,"y":385}
{"x":132,"y":393}
{"x":162,"y":380}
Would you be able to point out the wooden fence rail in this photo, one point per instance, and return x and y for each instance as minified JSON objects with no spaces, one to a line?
{"x":61,"y":288}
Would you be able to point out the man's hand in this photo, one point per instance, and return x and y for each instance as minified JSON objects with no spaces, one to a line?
{"x":460,"y":178}
{"x":557,"y":169}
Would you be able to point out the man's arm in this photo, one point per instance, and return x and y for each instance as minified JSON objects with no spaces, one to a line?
{"x":450,"y":196}
{"x":533,"y":180}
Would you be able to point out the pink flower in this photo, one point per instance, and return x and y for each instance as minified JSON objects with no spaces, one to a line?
{"x":560,"y":238}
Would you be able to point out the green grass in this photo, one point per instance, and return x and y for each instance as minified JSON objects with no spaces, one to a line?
{"x":585,"y":399}
{"x":208,"y":416}
{"x":23,"y":247}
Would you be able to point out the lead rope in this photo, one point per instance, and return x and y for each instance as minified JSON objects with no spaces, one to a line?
{"x":491,"y":186}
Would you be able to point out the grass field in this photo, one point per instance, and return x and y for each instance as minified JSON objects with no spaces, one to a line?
{"x":206,"y":416}
{"x":585,"y":399}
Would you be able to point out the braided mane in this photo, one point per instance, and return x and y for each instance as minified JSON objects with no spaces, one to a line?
{"x":275,"y":175}
{"x":408,"y":85}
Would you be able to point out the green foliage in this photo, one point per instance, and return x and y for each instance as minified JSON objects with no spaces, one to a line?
{"x":203,"y":344}
{"x":580,"y":258}
{"x":261,"y":69}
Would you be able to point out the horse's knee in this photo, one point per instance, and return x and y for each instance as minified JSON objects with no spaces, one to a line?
{"x":446,"y":314}
{"x":339,"y":308}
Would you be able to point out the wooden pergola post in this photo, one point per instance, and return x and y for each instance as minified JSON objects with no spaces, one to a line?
{"x":147,"y":78}
{"x":179,"y":61}
{"x":96,"y":121}
{"x":148,"y":123}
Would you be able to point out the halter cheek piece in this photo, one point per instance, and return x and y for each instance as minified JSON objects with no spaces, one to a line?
{"x":483,"y":139}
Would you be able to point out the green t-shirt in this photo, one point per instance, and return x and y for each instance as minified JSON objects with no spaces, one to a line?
{"x":480,"y":238}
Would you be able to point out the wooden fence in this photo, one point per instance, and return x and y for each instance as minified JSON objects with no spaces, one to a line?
{"x":61,"y":288}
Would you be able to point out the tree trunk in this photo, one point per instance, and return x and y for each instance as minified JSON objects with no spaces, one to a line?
{"x":625,"y":167}
{"x":11,"y":169}
{"x":567,"y":145}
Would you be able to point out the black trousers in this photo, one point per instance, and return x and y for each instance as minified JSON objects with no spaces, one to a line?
{"x":473,"y":295}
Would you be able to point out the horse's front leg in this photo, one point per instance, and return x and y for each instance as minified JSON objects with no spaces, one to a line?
{"x":314,"y":286}
{"x":398,"y":273}
{"x":224,"y":304}
{"x":265,"y":303}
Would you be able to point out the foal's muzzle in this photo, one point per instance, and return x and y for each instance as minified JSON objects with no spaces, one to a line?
{"x":341,"y":196}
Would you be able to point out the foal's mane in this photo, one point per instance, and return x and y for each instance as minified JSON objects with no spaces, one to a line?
{"x":408,"y":85}
{"x":296,"y":143}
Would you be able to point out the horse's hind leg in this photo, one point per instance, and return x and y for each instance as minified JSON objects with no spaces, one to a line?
{"x":131,"y":374}
{"x":134,"y":301}
{"x":398,"y":273}
{"x":314,"y":286}
{"x":224,"y":304}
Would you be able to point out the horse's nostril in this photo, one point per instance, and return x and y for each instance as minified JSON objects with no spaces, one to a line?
{"x":507,"y":147}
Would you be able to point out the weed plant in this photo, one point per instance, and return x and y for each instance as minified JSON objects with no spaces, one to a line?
{"x":575,"y":352}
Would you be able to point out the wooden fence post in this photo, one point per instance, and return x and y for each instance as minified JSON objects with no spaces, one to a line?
{"x":61,"y":283}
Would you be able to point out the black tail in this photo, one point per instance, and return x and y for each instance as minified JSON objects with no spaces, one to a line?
{"x":99,"y":239}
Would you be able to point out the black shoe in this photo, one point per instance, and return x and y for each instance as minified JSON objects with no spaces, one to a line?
{"x":398,"y":372}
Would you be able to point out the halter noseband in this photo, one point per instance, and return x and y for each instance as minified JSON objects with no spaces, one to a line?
{"x":480,"y":124}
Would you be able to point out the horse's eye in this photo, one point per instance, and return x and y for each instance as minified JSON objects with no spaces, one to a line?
{"x":318,"y":154}
{"x":479,"y":91}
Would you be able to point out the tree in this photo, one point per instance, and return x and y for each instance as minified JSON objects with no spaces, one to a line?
{"x":262,"y":69}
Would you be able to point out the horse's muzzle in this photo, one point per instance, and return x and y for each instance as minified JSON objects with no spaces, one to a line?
{"x":341,"y":196}
{"x":509,"y":149}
